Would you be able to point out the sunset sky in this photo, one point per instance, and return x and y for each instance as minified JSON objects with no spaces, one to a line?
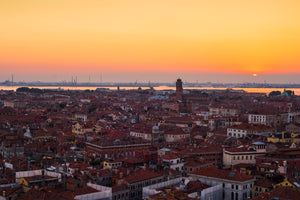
{"x":145,"y":40}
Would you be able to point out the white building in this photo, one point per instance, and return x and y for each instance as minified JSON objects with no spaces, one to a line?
{"x":210,"y":193}
{"x":265,"y":119}
{"x":175,"y":135}
{"x":103,"y":193}
{"x":243,"y":154}
{"x":173,"y":161}
{"x":242,"y":130}
{"x":235,"y":185}
{"x":151,"y":135}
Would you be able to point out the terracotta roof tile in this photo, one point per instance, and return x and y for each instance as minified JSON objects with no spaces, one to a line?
{"x":142,"y":175}
{"x":222,"y":174}
{"x":281,"y":193}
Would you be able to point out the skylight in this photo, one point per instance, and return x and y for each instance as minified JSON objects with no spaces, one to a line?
{"x":231,"y":174}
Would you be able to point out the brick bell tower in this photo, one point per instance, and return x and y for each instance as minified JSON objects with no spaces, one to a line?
{"x":179,"y":89}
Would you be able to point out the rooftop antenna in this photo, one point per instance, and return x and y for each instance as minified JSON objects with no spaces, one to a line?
{"x":118,"y":89}
{"x":12,"y":80}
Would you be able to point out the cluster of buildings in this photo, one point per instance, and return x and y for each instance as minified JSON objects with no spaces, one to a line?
{"x":148,"y":144}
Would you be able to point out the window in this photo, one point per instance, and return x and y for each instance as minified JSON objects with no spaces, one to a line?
{"x":245,"y":195}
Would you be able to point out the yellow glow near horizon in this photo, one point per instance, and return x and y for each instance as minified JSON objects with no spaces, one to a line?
{"x":233,"y":36}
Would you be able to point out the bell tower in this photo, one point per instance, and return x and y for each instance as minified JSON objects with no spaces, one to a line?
{"x":179,"y":89}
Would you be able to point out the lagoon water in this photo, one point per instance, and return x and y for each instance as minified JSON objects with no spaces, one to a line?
{"x":250,"y":90}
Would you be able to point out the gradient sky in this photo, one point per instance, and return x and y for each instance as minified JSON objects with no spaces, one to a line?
{"x":41,"y":39}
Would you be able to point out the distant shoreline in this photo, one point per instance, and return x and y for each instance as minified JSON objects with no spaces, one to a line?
{"x":135,"y":84}
{"x":158,"y":88}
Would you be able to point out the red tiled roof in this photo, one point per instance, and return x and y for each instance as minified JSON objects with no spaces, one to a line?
{"x":196,"y":163}
{"x":120,"y":187}
{"x":222,"y":174}
{"x":176,"y":132}
{"x":9,"y":190}
{"x":194,"y":186}
{"x":251,"y":127}
{"x":169,"y":157}
{"x":84,"y":190}
{"x":268,"y":166}
{"x":243,"y":148}
{"x":265,"y":182}
{"x":179,"y":120}
{"x":133,"y":160}
{"x":281,"y":193}
{"x":142,"y":175}
{"x":37,"y":178}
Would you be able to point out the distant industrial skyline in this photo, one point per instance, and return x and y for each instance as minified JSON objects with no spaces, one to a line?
{"x":152,"y":77}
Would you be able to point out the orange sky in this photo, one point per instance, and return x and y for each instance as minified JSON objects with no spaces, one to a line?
{"x":109,"y":36}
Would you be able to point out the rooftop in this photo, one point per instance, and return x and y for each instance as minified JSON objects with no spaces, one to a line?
{"x":222,"y":174}
{"x":280,"y":193}
{"x":141,"y":175}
